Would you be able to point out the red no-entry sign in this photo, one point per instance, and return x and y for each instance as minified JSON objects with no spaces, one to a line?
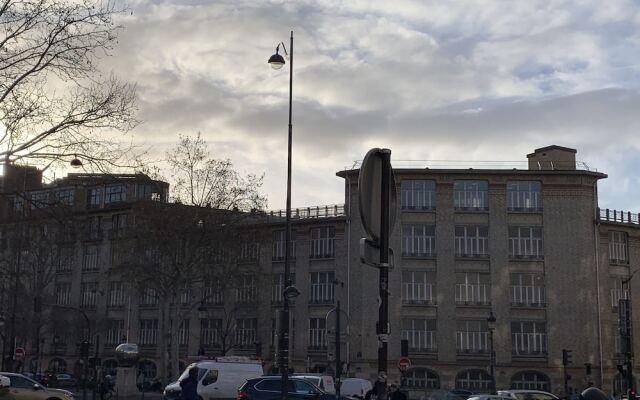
{"x":404,"y":363}
{"x":18,"y":353}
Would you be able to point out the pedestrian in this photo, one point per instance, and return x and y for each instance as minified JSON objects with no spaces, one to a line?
{"x":189,"y":385}
{"x":5,"y":384}
{"x":395,"y":393}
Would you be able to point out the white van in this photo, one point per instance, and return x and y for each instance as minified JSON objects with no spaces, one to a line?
{"x":355,"y":387}
{"x":219,"y":378}
{"x":324,"y":382}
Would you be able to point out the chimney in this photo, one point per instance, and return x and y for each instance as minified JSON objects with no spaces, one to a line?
{"x":552,"y":158}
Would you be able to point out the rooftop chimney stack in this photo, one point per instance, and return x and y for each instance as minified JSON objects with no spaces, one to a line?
{"x":552,"y":158}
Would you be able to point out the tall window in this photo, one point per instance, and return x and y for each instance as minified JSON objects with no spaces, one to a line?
{"x":418,"y":194}
{"x":531,"y":380}
{"x":118,"y":225}
{"x":473,"y":288}
{"x":249,"y":250}
{"x":472,"y":241}
{"x":524,"y":196}
{"x":526,"y":242}
{"x":64,"y":196}
{"x":90,"y":260}
{"x":323,"y":242}
{"x":65,"y":259}
{"x":210,"y":330}
{"x":115,"y":332}
{"x":474,"y":380}
{"x":618,"y":292}
{"x":418,"y":240}
{"x":94,"y":228}
{"x":527,"y":290}
{"x":95,"y":197}
{"x":183,"y":333}
{"x":421,"y":334}
{"x":63,"y":293}
{"x":470,"y":195}
{"x":472,"y":336}
{"x":420,"y":378}
{"x":322,"y":287}
{"x":117,"y":295}
{"x":318,"y":333}
{"x":212,"y":292}
{"x":246,"y":292}
{"x":148,"y":332}
{"x":618,"y":247}
{"x":418,"y":287}
{"x":246,"y":332}
{"x":528,"y":338}
{"x":115,"y":193}
{"x":149,"y":297}
{"x":279,"y":242}
{"x":88,"y":294}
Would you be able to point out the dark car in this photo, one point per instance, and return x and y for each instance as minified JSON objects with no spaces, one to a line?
{"x":270,"y":388}
{"x":65,"y":381}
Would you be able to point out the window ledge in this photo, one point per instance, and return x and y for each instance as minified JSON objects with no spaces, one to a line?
{"x":429,"y":256}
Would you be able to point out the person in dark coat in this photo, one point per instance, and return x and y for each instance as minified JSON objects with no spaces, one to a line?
{"x":189,"y":385}
{"x":395,"y":393}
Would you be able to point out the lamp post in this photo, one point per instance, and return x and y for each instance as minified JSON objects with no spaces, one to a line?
{"x":491,"y":320}
{"x":277,"y":61}
{"x":625,"y":315}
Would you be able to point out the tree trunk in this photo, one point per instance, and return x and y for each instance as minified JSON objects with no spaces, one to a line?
{"x":175,"y":338}
{"x":162,"y":347}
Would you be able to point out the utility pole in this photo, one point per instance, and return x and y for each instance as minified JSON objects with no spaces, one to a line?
{"x":566,"y":360}
{"x":338,"y":360}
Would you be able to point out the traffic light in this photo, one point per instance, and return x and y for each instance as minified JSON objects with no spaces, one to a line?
{"x":404,"y":348}
{"x":566,"y":357}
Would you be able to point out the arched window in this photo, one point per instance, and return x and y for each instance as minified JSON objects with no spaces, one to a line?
{"x":148,"y":369}
{"x":422,"y":378}
{"x":110,"y":367}
{"x":530,"y":380}
{"x":58,"y":365}
{"x":473,"y":379}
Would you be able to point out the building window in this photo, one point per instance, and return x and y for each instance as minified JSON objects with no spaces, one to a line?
{"x":323,"y":242}
{"x":249,"y":251}
{"x":420,"y":378}
{"x":115,"y":194}
{"x":147,"y":370}
{"x":474,"y":380}
{"x":88,"y":294}
{"x":39,"y":200}
{"x":470,"y":195}
{"x":212,"y":292}
{"x":210,"y":332}
{"x":148,"y":332}
{"x":525,"y":242}
{"x":65,"y":197}
{"x":418,"y":194}
{"x":149,"y":297}
{"x":322,"y":287}
{"x":317,"y":333}
{"x":150,"y":191}
{"x":618,"y":292}
{"x":118,"y":225}
{"x":617,"y":339}
{"x":418,"y":240}
{"x":183,"y":333}
{"x":90,"y":260}
{"x":527,"y":290}
{"x":185,"y":295}
{"x":117,"y":295}
{"x":528,"y":338}
{"x":65,"y":259}
{"x":246,"y":332}
{"x":531,"y":380}
{"x":473,"y":288}
{"x":472,"y":336}
{"x":94,"y":228}
{"x":115,"y":332}
{"x":246,"y":292}
{"x":63,"y":293}
{"x":618,"y":247}
{"x":95,"y":196}
{"x":421,"y":334}
{"x":418,"y":287}
{"x":524,"y":196}
{"x":472,"y":241}
{"x":279,"y":242}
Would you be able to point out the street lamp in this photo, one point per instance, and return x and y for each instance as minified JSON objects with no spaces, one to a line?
{"x":277,"y":61}
{"x":491,"y":320}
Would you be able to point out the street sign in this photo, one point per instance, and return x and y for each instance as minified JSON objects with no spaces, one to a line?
{"x":18,"y":353}
{"x":370,"y":193}
{"x":404,"y":363}
{"x":370,"y":253}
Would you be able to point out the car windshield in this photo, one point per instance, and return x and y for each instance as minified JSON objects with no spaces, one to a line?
{"x":185,"y":373}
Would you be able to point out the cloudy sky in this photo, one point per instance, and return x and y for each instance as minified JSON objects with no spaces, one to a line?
{"x":431,"y":80}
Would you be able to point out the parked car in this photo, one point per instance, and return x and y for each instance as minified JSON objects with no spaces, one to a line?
{"x":523,"y":394}
{"x":65,"y":381}
{"x":355,"y":387}
{"x":23,"y":388}
{"x":459,"y":394}
{"x":324,"y":382}
{"x":219,"y":378}
{"x":489,"y":397}
{"x":270,"y":388}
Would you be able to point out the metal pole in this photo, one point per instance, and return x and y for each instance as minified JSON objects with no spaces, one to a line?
{"x":492,"y":363}
{"x":566,"y":382}
{"x":383,"y":310}
{"x":284,"y":348}
{"x":338,"y":360}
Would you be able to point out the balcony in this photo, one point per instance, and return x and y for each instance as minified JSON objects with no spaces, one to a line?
{"x":317,"y":212}
{"x":621,"y":217}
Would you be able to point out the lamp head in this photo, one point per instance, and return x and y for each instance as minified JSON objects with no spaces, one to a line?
{"x":76,"y":163}
{"x":290,"y":292}
{"x":276,"y":61}
{"x":492,"y":318}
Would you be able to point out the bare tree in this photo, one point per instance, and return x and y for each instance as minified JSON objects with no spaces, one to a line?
{"x":201,"y":180}
{"x":55,"y":105}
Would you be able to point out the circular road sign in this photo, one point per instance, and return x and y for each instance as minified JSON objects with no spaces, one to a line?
{"x":19,"y":353}
{"x":404,"y":363}
{"x":370,"y":192}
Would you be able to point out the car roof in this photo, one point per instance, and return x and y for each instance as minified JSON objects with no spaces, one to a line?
{"x":514,"y":391}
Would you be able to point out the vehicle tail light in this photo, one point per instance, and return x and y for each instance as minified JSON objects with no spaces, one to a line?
{"x":242,"y":395}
